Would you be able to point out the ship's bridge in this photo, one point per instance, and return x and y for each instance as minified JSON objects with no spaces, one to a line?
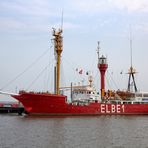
{"x":85,"y":93}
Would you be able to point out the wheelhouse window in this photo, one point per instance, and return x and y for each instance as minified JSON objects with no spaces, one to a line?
{"x":145,"y":95}
{"x":139,"y":95}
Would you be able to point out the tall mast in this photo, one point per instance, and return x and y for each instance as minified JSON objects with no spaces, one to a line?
{"x":131,"y":71}
{"x":58,"y":47}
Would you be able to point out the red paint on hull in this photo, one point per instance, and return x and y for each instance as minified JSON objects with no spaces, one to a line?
{"x":49,"y":104}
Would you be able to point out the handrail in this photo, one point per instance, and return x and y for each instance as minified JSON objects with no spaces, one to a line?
{"x":8,"y":93}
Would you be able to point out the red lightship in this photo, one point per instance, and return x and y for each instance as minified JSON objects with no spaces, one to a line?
{"x":84,"y":99}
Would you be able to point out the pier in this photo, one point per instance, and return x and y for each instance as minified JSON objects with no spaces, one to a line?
{"x":11,"y":107}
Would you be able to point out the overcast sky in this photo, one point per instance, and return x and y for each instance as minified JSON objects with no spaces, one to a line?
{"x":26,"y":33}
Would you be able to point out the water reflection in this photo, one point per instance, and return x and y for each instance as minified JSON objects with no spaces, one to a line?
{"x":70,"y":132}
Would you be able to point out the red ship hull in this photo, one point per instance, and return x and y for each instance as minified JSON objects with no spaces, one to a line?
{"x":49,"y":104}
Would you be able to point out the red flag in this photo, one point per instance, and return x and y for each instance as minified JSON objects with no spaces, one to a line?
{"x":81,"y":71}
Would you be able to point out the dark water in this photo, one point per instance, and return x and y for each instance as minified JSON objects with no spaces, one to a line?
{"x":74,"y":132}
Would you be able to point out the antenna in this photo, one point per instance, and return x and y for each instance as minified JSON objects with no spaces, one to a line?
{"x":131,"y":46}
{"x":98,"y":49}
{"x":62,"y":20}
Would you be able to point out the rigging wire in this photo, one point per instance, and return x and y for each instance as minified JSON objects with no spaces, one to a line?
{"x":112,"y":79}
{"x":108,"y":83}
{"x":94,"y":62}
{"x":48,"y":79}
{"x":80,"y":76}
{"x":63,"y":80}
{"x":96,"y":78}
{"x":38,"y":76}
{"x":76,"y":76}
{"x":25,"y":70}
{"x":71,"y":64}
{"x":46,"y":75}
